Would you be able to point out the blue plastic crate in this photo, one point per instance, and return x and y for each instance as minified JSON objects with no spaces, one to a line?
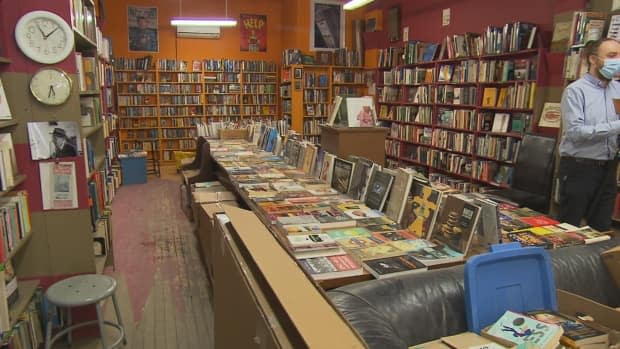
{"x":133,"y":170}
{"x":510,"y":277}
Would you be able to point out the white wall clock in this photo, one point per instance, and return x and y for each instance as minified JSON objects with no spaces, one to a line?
{"x":51,"y":86}
{"x":44,"y":37}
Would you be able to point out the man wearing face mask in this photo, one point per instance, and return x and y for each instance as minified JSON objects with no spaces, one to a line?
{"x":590,"y":127}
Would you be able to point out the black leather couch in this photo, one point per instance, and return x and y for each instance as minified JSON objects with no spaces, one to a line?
{"x":399,"y":312}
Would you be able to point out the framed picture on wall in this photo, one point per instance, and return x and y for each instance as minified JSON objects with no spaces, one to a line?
{"x":298,"y":73}
{"x":327,"y":25}
{"x":297,"y":85}
{"x":142,"y":29}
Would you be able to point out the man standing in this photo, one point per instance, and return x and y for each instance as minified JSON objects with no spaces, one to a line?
{"x":588,"y":148}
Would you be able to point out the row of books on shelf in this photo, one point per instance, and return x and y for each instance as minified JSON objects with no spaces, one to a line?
{"x":101,"y":190}
{"x":83,"y":18}
{"x":15,"y":222}
{"x":340,"y":57}
{"x":299,"y":188}
{"x":88,"y":76}
{"x":212,"y":129}
{"x":206,"y":65}
{"x":27,"y":331}
{"x":512,"y":37}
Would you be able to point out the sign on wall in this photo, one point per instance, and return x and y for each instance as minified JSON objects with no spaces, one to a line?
{"x":253,"y":33}
{"x":142,"y":29}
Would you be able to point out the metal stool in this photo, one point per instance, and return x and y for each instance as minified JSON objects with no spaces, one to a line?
{"x":83,"y":290}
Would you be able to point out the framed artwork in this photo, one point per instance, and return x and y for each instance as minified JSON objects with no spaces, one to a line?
{"x":297,"y":85}
{"x":327,"y":29}
{"x":142,"y":29}
{"x":253,"y":31}
{"x":298,"y":73}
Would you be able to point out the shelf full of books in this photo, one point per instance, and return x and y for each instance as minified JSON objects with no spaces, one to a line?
{"x":458,"y":109}
{"x":308,"y":91}
{"x":160,"y":103}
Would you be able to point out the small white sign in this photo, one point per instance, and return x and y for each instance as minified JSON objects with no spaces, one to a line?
{"x":445,"y":18}
{"x":406,"y":34}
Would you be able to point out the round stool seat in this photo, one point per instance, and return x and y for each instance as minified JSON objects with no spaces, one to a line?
{"x":81,"y":290}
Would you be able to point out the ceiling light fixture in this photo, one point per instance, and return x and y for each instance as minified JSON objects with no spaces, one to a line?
{"x":354,"y":4}
{"x":206,"y":22}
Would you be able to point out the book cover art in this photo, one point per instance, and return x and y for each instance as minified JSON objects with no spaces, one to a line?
{"x":310,"y":241}
{"x":527,"y":238}
{"x":381,"y":227}
{"x":360,"y":178}
{"x":331,"y":266}
{"x":397,"y":235}
{"x":437,"y":254}
{"x":412,"y":244}
{"x":538,"y":221}
{"x":301,"y":229}
{"x":424,"y":206}
{"x":383,"y":220}
{"x":301,"y":219}
{"x":347,"y":233}
{"x":575,"y":333}
{"x":356,"y":242}
{"x":378,"y":189}
{"x":456,"y":223}
{"x":253,"y":31}
{"x":389,"y":266}
{"x":521,"y":329}
{"x":590,"y":235}
{"x":373,"y":252}
{"x":341,"y":177}
{"x":509,"y":224}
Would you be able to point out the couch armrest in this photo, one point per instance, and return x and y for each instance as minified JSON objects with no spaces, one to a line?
{"x":376,"y":331}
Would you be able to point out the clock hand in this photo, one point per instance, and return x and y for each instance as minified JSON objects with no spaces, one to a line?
{"x":50,"y":33}
{"x":51,"y":92}
{"x":41,"y":31}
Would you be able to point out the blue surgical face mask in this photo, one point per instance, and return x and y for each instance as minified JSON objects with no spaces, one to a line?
{"x":610,"y":68}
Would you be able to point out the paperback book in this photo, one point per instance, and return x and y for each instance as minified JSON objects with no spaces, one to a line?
{"x":392,"y":266}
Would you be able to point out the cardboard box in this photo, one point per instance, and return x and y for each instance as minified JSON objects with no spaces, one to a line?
{"x":266,"y":268}
{"x":574,"y":305}
{"x":208,"y":197}
{"x":611,"y":259}
{"x":205,"y":231}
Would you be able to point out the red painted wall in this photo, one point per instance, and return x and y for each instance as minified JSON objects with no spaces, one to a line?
{"x":424,"y":16}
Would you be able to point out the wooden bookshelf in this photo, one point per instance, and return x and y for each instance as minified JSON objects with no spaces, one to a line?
{"x":26,"y":291}
{"x":416,"y":105}
{"x":5,"y":60}
{"x":20,"y":244}
{"x":180,"y":98}
{"x":19,"y":179}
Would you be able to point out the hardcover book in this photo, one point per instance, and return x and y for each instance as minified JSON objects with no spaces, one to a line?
{"x":321,"y":268}
{"x":397,"y":199}
{"x":423,"y":209}
{"x":360,"y":178}
{"x":341,"y":177}
{"x":391,"y":266}
{"x":378,"y":190}
{"x":456,"y":223}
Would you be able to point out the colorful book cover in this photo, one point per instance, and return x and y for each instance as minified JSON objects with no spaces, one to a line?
{"x":437,"y":254}
{"x":356,"y":242}
{"x":424,"y":206}
{"x":397,"y":235}
{"x":341,"y":176}
{"x":538,"y":221}
{"x":379,"y":251}
{"x":527,"y":238}
{"x":575,"y":333}
{"x":301,"y":229}
{"x":456,"y":223}
{"x":521,"y":329}
{"x":347,"y":233}
{"x":412,"y":245}
{"x":390,"y":266}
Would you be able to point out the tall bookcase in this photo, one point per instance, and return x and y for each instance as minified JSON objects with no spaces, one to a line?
{"x":63,"y":243}
{"x":308,"y":90}
{"x":159,"y":106}
{"x":461,"y":119}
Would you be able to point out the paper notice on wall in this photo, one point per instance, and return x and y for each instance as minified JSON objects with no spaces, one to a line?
{"x":614,"y":27}
{"x":58,"y":185}
{"x":445,"y":18}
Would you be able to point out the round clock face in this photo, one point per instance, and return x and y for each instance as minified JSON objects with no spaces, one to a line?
{"x":51,"y":86}
{"x":44,"y":37}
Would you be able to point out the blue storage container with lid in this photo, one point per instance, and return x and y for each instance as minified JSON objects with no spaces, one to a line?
{"x":509,"y":277}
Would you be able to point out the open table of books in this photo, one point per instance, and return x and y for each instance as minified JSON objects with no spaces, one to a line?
{"x":347,"y":220}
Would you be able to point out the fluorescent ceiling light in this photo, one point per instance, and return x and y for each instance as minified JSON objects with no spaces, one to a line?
{"x":353,"y":4}
{"x":211,"y":22}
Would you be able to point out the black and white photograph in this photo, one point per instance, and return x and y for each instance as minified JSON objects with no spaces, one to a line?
{"x":327,"y":31}
{"x":298,"y":73}
{"x":54,"y":139}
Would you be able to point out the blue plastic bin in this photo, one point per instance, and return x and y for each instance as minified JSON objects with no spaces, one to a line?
{"x":133,"y":170}
{"x":510,"y":277}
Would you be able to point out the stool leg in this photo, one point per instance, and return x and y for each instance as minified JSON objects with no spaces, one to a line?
{"x":69,"y":339}
{"x":101,"y":325}
{"x":118,"y":317}
{"x":48,"y":332}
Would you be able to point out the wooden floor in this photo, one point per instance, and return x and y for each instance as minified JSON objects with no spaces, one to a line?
{"x":177,"y":311}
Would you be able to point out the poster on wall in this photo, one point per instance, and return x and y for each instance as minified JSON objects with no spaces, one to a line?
{"x":142,"y":29}
{"x":327,"y":31}
{"x":253,"y":33}
{"x":58,"y":185}
{"x":54,"y":139}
